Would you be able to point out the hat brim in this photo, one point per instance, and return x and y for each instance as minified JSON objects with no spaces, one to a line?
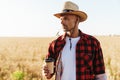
{"x":82,"y":15}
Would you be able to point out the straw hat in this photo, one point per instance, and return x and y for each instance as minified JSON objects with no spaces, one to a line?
{"x":72,"y":8}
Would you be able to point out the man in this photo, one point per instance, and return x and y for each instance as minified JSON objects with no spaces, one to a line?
{"x":78,"y":56}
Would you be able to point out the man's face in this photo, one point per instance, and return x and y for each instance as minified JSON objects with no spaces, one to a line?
{"x":68,"y":22}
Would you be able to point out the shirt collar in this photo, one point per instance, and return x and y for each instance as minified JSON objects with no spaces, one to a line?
{"x":81,"y":34}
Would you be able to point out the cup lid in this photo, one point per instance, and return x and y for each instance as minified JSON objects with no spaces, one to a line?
{"x":49,"y":60}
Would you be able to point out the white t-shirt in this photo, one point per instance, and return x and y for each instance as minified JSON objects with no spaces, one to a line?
{"x":68,"y":59}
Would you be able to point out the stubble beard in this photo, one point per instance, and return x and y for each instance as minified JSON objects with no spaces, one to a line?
{"x":65,"y":28}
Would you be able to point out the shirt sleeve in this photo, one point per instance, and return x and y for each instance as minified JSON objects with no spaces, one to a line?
{"x":51,"y":50}
{"x":98,"y":61}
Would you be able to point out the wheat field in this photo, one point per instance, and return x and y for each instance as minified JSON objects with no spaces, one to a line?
{"x":21,"y":58}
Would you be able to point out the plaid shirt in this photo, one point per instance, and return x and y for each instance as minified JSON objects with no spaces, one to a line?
{"x":89,"y":57}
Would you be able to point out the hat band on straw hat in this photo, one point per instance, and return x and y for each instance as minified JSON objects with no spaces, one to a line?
{"x":67,"y":10}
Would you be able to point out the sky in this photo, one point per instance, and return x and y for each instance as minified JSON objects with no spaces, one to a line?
{"x":34,"y":18}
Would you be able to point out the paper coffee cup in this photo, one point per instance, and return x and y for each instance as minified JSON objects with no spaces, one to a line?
{"x":50,"y":65}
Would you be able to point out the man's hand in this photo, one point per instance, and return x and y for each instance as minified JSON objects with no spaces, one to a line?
{"x":46,"y":72}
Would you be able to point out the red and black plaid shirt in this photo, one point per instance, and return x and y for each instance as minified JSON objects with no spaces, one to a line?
{"x":89,"y":57}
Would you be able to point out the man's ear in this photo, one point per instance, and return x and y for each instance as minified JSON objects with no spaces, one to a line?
{"x":78,"y":20}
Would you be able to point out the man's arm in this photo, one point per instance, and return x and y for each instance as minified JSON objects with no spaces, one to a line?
{"x":101,"y":77}
{"x":98,"y":63}
{"x":49,"y":55}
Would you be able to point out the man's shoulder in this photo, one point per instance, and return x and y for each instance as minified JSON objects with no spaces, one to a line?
{"x":57,"y":39}
{"x":90,"y":37}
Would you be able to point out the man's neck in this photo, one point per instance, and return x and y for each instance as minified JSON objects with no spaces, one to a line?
{"x":74,"y":34}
